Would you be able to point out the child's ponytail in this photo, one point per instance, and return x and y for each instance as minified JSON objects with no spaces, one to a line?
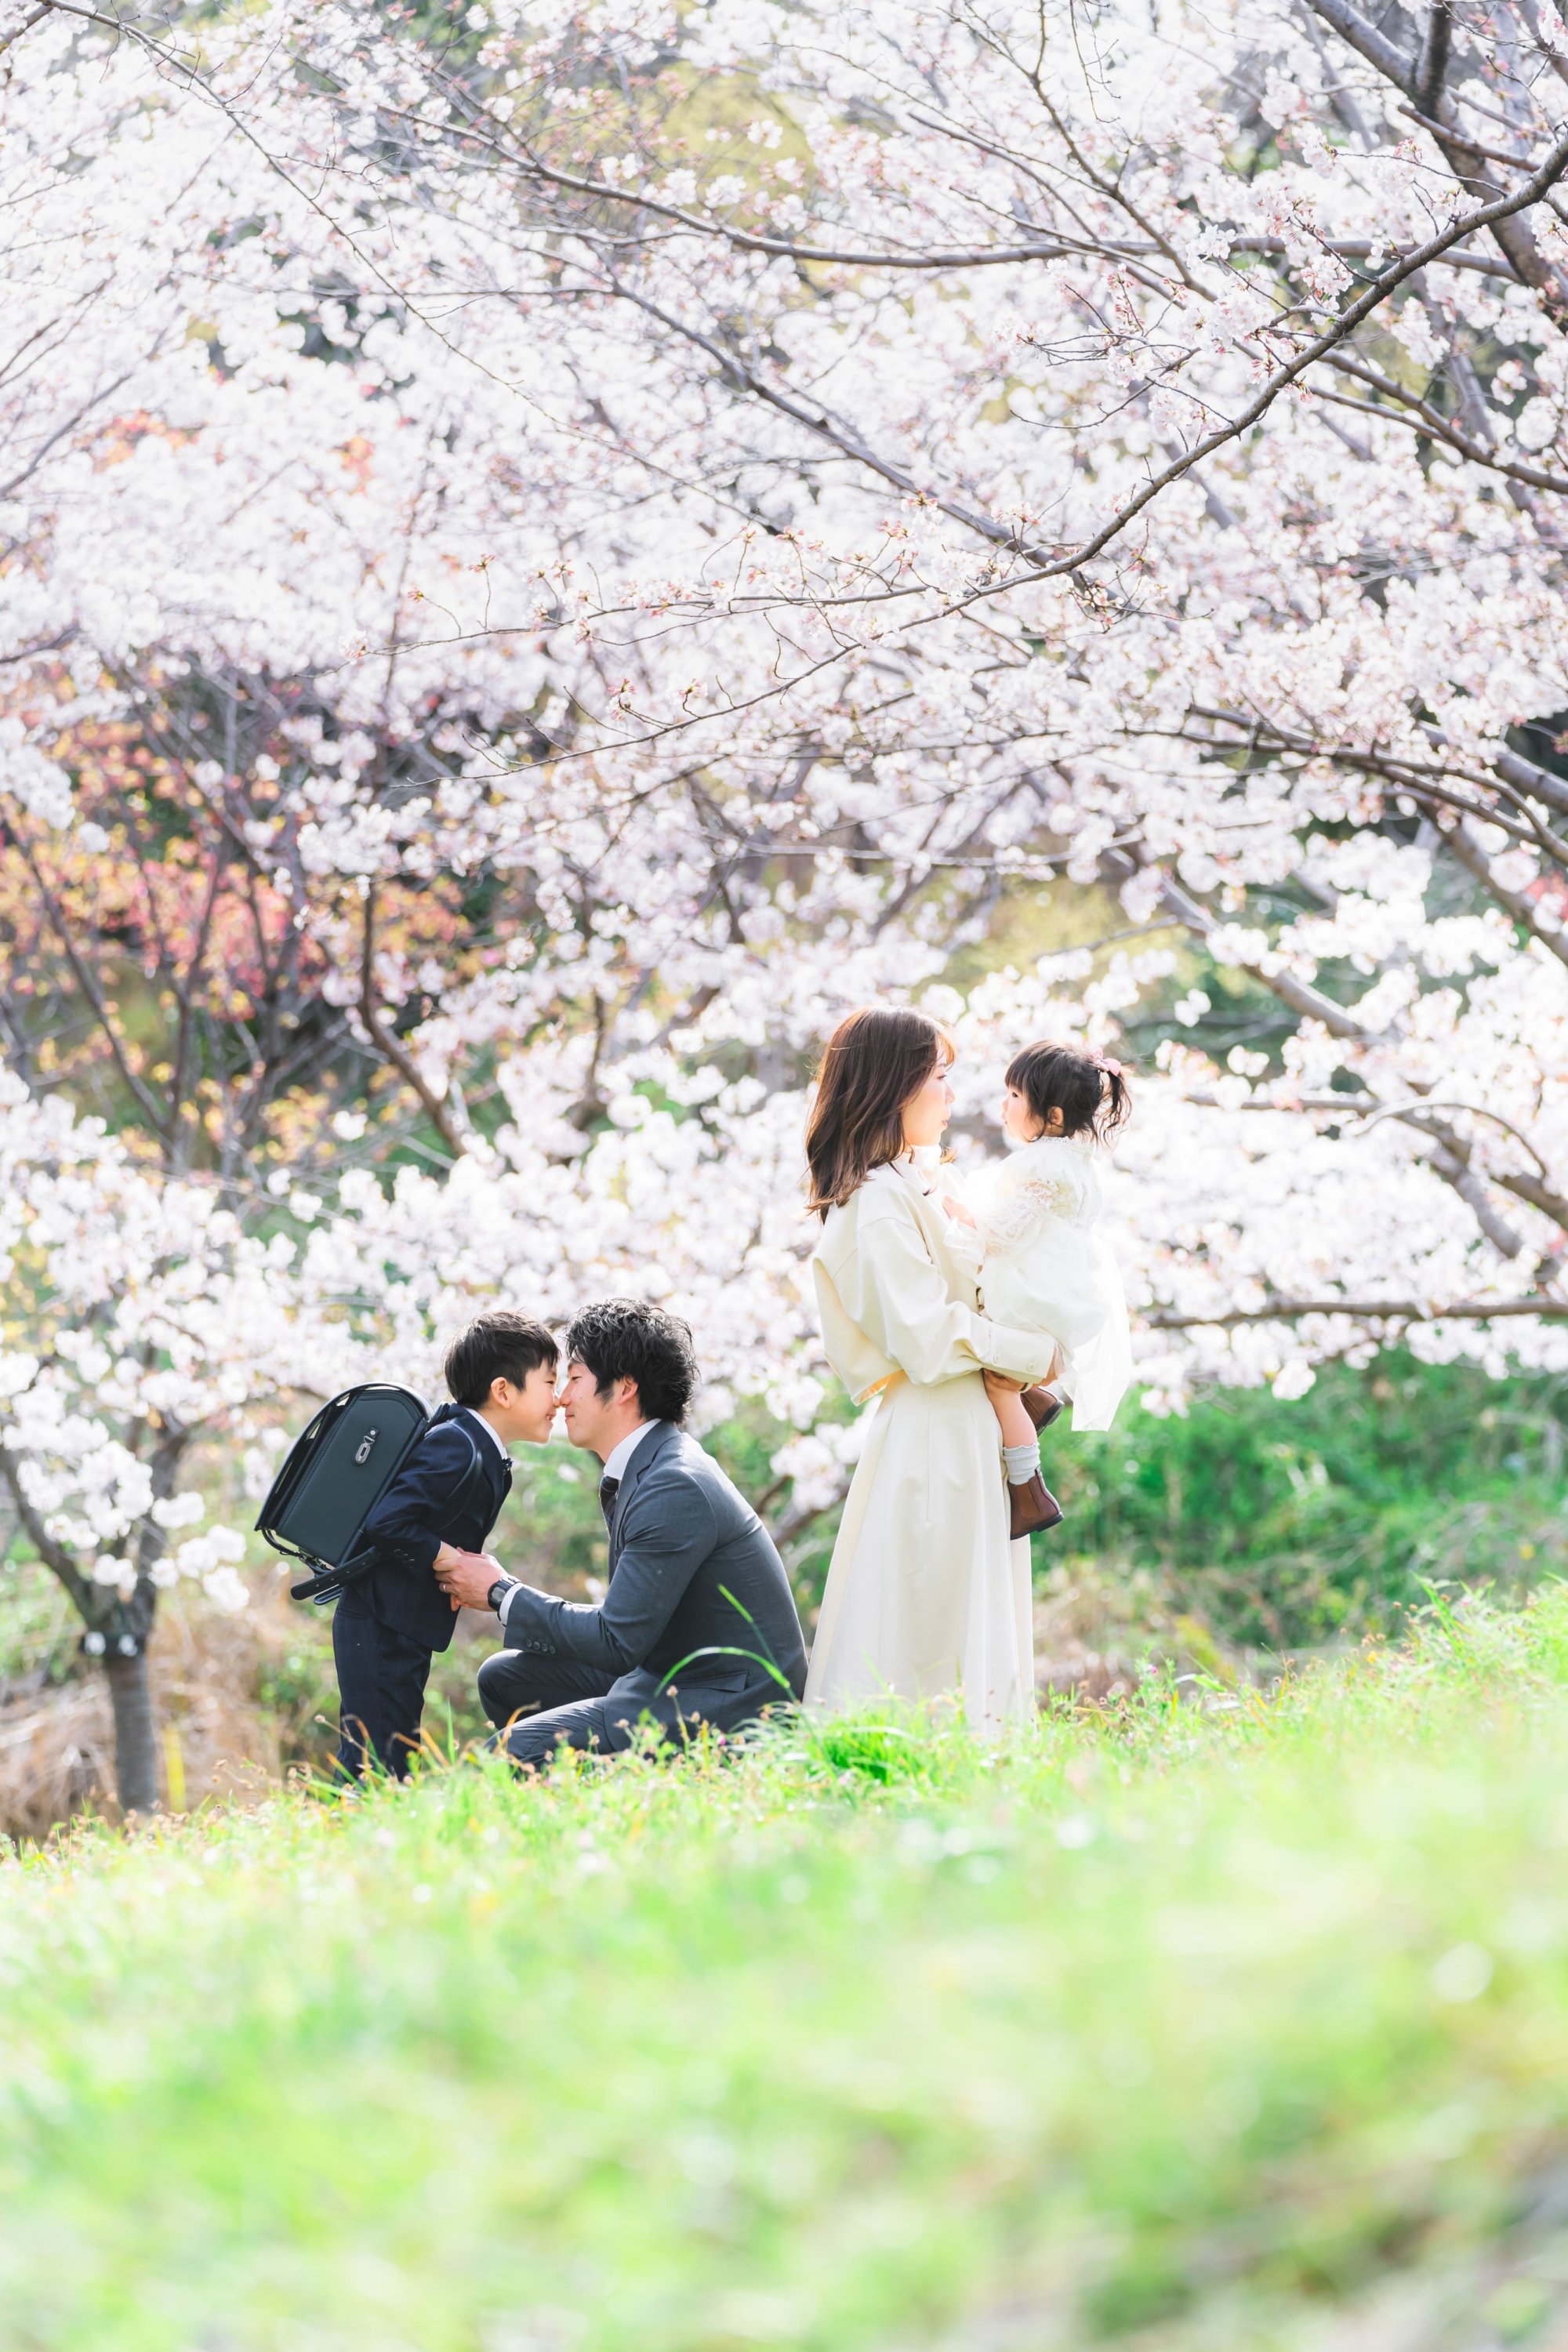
{"x":1115,"y":1100}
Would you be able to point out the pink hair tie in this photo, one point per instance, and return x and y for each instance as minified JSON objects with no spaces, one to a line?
{"x":1111,"y":1069}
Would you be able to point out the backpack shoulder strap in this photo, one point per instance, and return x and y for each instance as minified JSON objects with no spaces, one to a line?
{"x":463,"y":1491}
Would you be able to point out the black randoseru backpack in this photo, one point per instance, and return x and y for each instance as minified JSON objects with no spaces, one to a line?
{"x":334,"y":1476}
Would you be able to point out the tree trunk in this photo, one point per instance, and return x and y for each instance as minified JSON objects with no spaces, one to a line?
{"x":118,"y":1630}
{"x":135,"y":1749}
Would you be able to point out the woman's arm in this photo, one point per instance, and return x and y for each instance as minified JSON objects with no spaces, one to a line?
{"x":895,"y":1292}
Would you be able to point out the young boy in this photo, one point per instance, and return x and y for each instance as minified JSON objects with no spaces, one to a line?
{"x":390,"y":1621}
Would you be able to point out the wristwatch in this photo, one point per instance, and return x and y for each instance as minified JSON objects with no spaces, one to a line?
{"x":499,"y":1591}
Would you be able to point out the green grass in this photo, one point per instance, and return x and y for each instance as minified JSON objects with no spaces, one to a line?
{"x":1192,"y":2023}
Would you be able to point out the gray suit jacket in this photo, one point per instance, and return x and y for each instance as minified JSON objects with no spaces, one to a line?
{"x":688,"y":1556}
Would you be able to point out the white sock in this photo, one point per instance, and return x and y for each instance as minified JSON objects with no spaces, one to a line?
{"x":1022,"y":1461}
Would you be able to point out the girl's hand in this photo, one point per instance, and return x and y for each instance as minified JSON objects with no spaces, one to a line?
{"x":957,"y":1209}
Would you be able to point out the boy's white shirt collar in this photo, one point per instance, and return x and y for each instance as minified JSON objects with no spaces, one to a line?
{"x":619,"y":1456}
{"x":494,"y":1436}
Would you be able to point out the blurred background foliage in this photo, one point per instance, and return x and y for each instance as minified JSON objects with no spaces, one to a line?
{"x":1284,"y":1526}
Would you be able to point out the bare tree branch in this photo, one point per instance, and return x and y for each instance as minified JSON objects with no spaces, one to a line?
{"x":1043,"y":565}
{"x":1365,"y":1310}
{"x":437,"y":1112}
{"x":1421,"y":416}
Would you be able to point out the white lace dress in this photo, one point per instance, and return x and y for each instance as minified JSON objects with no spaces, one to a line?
{"x":1042,"y":1263}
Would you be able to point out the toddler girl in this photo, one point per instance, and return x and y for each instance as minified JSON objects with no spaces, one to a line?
{"x":1031,"y":1231}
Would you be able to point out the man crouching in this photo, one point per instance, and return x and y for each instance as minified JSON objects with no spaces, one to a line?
{"x":698,"y":1605}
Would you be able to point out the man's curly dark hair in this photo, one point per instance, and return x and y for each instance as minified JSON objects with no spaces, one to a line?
{"x":628,"y":1340}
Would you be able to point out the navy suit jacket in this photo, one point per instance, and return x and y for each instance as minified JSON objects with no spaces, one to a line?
{"x":685,"y":1549}
{"x":414,"y":1517}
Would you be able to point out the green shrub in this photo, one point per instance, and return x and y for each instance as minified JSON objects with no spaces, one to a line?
{"x":1283,"y":1525}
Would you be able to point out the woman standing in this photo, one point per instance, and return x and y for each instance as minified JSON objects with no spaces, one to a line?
{"x":927,"y":1591}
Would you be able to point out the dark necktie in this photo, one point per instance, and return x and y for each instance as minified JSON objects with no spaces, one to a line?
{"x":608,"y":1490}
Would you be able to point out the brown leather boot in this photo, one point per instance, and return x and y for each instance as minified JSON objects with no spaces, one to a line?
{"x":1041,"y":1406}
{"x":1033,"y":1506}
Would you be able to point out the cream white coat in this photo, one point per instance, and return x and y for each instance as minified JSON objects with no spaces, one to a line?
{"x":926,"y":1593}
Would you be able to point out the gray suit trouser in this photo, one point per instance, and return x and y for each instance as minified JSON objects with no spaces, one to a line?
{"x":550,"y":1702}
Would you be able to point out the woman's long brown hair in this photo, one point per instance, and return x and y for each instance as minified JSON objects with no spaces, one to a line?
{"x":875,"y":1060}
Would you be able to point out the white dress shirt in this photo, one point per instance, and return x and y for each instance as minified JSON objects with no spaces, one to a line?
{"x":616,"y":1460}
{"x":616,"y":1463}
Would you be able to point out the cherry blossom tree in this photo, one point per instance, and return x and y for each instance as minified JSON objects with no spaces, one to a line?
{"x":132,"y":1298}
{"x":1149,"y":607}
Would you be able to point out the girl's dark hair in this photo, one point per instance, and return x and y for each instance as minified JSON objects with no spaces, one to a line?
{"x":630,"y":1339}
{"x":496,"y":1347}
{"x":875,"y":1060}
{"x":1092,"y":1095}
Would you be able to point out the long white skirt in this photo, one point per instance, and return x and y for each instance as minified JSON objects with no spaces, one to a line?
{"x":926,"y":1593}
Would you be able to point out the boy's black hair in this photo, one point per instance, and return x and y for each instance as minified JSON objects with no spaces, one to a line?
{"x":1091,"y":1094}
{"x":628,"y":1340}
{"x":500,"y":1346}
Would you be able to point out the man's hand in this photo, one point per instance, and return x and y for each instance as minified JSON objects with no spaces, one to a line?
{"x":465,"y":1577}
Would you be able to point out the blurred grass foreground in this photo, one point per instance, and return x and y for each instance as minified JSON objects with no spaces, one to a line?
{"x":1234,"y":2020}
